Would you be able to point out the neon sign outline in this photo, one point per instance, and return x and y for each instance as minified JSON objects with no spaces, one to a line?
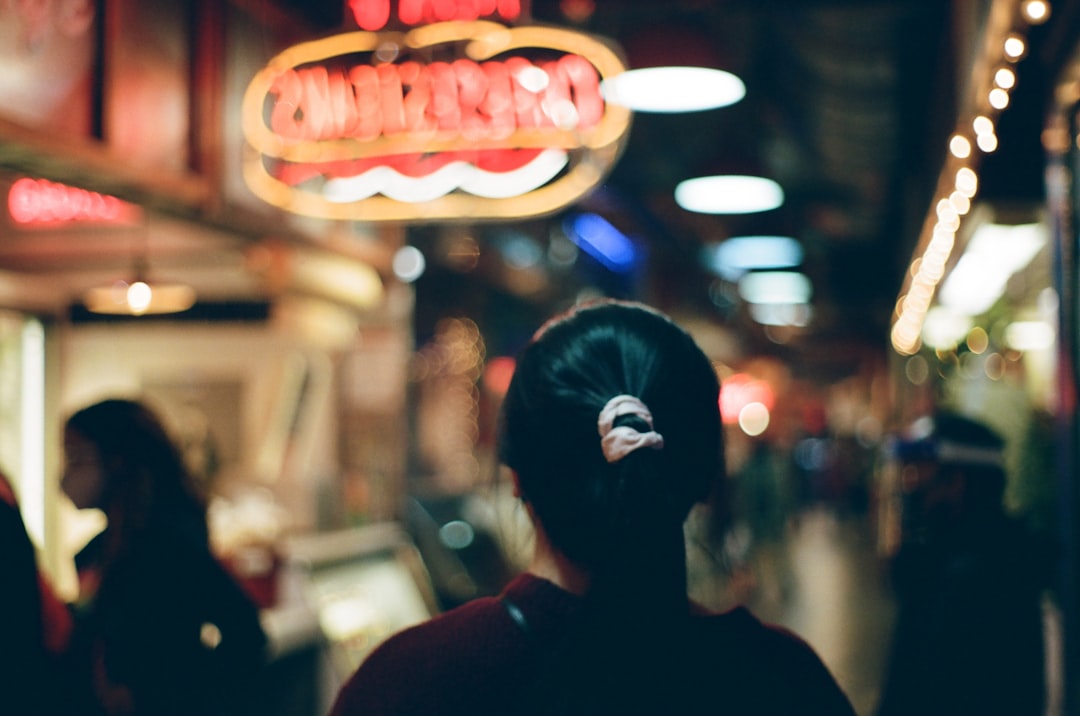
{"x":600,"y":140}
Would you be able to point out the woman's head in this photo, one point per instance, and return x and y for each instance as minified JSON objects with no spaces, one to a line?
{"x":593,"y":509}
{"x":120,"y":457}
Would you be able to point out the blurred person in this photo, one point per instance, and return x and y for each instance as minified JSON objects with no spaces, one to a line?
{"x":764,"y":500}
{"x":37,"y":626}
{"x":968,"y":580}
{"x":611,"y":428}
{"x":161,"y":627}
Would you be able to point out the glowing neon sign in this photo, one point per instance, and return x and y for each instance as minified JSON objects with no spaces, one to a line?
{"x":471,"y":119}
{"x":741,"y":390}
{"x":39,"y":202}
{"x":374,"y":15}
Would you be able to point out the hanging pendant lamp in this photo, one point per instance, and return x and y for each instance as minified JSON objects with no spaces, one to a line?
{"x":139,"y":296}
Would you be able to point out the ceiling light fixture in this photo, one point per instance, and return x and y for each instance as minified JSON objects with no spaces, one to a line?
{"x":732,"y":258}
{"x":139,"y":296}
{"x":787,"y":287}
{"x":673,"y":89}
{"x":994,"y":253}
{"x":729,"y":194}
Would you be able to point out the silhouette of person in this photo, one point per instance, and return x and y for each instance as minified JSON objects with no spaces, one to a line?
{"x":611,"y":428}
{"x":161,"y":627}
{"x":968,"y":582}
{"x":37,"y":625}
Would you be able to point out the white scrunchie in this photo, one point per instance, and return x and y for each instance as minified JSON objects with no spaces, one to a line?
{"x":619,"y":442}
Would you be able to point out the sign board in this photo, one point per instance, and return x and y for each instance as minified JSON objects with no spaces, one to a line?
{"x":460,"y":118}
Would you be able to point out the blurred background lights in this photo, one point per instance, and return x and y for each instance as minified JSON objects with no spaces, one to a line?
{"x":978,"y":340}
{"x":673,"y":89}
{"x":1015,"y":46}
{"x":967,"y":181}
{"x":740,"y":390}
{"x":497,"y":374}
{"x":139,"y":296}
{"x":987,"y":142}
{"x":595,"y":235}
{"x":781,"y":314}
{"x":1029,"y":335}
{"x":409,"y":263}
{"x":960,"y":146}
{"x":754,"y":419}
{"x":994,"y":253}
{"x":1005,"y":78}
{"x":944,"y":329}
{"x":457,"y":534}
{"x":1035,"y":11}
{"x":729,"y":194}
{"x":775,"y":287}
{"x":520,"y":250}
{"x":732,"y":258}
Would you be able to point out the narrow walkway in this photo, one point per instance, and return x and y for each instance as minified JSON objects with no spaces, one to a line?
{"x":825,"y":583}
{"x":837,"y":601}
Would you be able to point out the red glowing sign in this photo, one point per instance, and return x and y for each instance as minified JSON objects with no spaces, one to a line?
{"x":38,"y":202}
{"x":504,"y":123}
{"x":741,"y":390}
{"x":373,"y":15}
{"x":365,"y":102}
{"x":498,"y":373}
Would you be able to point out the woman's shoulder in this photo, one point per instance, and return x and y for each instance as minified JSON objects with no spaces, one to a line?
{"x":466,"y":653}
{"x":769,"y":661}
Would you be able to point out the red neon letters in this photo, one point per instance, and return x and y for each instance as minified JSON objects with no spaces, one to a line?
{"x":477,"y":100}
{"x":373,"y":15}
{"x":38,"y":201}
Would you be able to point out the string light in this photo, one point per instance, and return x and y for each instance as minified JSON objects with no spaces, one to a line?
{"x":943,"y":222}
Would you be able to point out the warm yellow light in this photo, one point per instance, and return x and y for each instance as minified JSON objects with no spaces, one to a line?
{"x":1030,"y":335}
{"x":1035,"y":11}
{"x":987,"y":142}
{"x":1015,"y":47}
{"x":978,"y":341}
{"x":960,"y":146}
{"x":967,"y":181}
{"x":1005,"y":78}
{"x":998,"y":98}
{"x":754,"y":418}
{"x":139,"y":298}
{"x":983,"y":125}
{"x":961,"y":203}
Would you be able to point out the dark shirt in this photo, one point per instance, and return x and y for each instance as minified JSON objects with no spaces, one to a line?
{"x":968,"y":633}
{"x":476,"y":660}
{"x":170,"y":626}
{"x":26,"y":676}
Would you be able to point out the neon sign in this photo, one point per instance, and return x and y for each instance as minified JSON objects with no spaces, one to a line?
{"x":374,"y":15}
{"x":39,"y":202}
{"x":741,"y":390}
{"x":465,"y":118}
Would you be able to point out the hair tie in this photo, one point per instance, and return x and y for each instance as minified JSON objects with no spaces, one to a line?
{"x":618,"y":442}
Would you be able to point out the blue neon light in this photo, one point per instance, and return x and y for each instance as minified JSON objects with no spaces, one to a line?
{"x":594,"y":235}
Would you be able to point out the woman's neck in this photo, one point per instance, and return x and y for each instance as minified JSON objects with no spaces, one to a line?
{"x":551,"y":564}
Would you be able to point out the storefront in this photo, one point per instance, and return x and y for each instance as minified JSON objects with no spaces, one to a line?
{"x":986,"y":321}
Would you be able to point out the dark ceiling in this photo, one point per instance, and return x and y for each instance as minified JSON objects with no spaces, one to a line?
{"x":840,"y":109}
{"x":848,"y":106}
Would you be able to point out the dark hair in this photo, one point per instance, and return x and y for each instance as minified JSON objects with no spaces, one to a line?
{"x":146,"y":481}
{"x":622,"y":521}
